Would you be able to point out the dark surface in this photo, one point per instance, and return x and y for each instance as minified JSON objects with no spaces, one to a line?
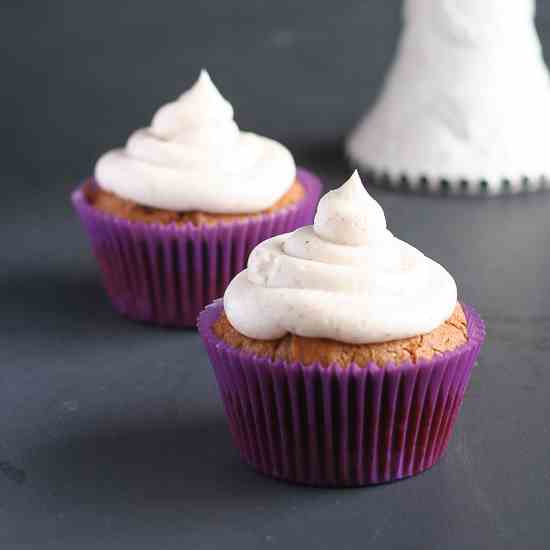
{"x":112,"y":433}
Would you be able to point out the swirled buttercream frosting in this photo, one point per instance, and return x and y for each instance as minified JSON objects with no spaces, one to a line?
{"x":194,"y":157}
{"x":346,"y":278}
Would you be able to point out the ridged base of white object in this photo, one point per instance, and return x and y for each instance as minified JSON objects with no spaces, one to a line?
{"x":451,"y":187}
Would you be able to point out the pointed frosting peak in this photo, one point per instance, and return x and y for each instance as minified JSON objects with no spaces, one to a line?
{"x":206,"y":90}
{"x":204,"y":76}
{"x":353,"y":188}
{"x":201,"y":104}
{"x":349,"y":215}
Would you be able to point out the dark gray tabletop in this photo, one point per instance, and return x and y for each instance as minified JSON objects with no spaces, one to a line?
{"x":112,"y":433}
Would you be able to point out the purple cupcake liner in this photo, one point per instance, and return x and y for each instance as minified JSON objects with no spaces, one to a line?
{"x":166,"y":274}
{"x":335,"y":426}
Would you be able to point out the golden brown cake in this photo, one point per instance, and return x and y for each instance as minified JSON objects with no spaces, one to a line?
{"x":117,"y":206}
{"x":447,"y":337}
{"x":342,"y":353}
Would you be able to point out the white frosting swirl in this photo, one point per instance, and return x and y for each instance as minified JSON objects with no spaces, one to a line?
{"x":346,"y":278}
{"x":194,"y":157}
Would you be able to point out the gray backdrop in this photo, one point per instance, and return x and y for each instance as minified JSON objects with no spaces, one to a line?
{"x":112,"y":434}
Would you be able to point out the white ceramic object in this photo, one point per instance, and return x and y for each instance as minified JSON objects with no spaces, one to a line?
{"x":466,"y":103}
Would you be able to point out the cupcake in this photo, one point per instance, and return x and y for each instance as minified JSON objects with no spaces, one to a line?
{"x":174,"y":215}
{"x":341,"y":353}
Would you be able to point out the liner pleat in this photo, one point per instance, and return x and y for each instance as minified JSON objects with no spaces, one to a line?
{"x":335,"y":426}
{"x":166,"y":274}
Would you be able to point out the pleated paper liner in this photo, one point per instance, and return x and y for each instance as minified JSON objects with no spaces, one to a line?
{"x":166,"y":274}
{"x":454,"y":186}
{"x":335,"y":426}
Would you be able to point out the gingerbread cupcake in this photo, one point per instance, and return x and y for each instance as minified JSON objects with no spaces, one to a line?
{"x":174,"y":215}
{"x":342,"y":353}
